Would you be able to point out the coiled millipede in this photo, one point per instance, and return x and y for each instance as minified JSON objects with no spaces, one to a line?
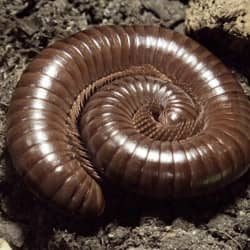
{"x":143,"y":107}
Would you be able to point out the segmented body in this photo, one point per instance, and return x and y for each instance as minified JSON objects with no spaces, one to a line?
{"x":144,"y":107}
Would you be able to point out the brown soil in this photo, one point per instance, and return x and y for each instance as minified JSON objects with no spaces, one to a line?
{"x":218,"y":221}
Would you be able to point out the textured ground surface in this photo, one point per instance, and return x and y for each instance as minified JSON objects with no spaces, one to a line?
{"x":220,"y":221}
{"x":231,"y":16}
{"x":224,"y":27}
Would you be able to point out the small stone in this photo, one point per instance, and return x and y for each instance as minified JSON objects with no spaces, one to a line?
{"x":170,"y":12}
{"x":28,"y":25}
{"x":111,"y":236}
{"x":4,"y":245}
{"x":12,"y":232}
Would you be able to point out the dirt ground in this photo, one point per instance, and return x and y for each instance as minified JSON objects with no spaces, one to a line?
{"x":218,"y":221}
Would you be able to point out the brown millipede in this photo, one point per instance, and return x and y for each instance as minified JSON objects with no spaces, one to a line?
{"x":144,"y":107}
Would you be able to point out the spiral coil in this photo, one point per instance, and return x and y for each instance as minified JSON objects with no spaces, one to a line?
{"x":141,"y":106}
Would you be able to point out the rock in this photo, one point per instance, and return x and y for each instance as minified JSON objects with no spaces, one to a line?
{"x":230,"y":16}
{"x":11,"y":232}
{"x":28,"y":25}
{"x":4,"y":245}
{"x":223,"y":26}
{"x":171,"y":13}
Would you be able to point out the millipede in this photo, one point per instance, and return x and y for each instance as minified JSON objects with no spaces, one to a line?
{"x":142,"y":107}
